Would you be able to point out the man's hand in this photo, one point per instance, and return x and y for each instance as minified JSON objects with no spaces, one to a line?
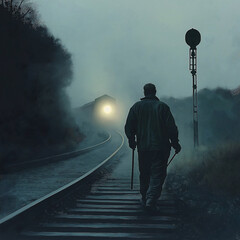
{"x":132,"y":144}
{"x":177,"y":147}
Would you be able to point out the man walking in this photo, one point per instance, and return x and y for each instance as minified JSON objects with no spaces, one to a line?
{"x":151,"y":127}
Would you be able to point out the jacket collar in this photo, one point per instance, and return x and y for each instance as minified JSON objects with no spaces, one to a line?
{"x":152,"y":97}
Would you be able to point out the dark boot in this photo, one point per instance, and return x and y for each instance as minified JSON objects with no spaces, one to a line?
{"x":143,"y":201}
{"x":151,"y":205}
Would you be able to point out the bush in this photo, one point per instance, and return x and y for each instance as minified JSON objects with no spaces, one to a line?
{"x":208,"y":182}
{"x":35,"y":70}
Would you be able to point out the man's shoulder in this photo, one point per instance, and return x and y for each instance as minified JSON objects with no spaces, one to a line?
{"x":163,"y":104}
{"x":142,"y":102}
{"x":136,"y":104}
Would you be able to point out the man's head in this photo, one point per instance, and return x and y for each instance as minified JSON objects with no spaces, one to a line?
{"x":149,"y":89}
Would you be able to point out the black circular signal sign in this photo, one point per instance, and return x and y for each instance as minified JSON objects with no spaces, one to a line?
{"x":193,"y":38}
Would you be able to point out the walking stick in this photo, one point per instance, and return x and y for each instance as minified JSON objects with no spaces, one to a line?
{"x":132,"y":169}
{"x":171,"y":159}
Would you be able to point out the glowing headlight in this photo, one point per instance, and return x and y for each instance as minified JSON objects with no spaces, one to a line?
{"x":107,"y":109}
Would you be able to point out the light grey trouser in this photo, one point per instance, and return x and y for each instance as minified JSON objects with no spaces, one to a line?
{"x":153,"y":171}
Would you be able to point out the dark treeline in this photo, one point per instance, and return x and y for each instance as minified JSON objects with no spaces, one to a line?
{"x":219,"y":115}
{"x":35,"y":69}
{"x":207,"y":180}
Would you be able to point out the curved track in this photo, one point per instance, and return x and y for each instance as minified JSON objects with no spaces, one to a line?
{"x":14,"y":219}
{"x":107,"y":210}
{"x":53,"y":158}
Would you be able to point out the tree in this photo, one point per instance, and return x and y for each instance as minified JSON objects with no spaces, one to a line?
{"x":20,"y":9}
{"x":35,"y":70}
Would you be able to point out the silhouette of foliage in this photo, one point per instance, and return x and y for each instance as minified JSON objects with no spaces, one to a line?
{"x":208,"y":183}
{"x":218,"y":117}
{"x":20,"y":10}
{"x":35,"y":69}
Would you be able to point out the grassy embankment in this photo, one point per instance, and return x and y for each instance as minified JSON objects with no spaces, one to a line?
{"x":208,"y":183}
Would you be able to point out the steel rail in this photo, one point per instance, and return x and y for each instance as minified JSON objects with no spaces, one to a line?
{"x":53,"y":197}
{"x":57,"y":157}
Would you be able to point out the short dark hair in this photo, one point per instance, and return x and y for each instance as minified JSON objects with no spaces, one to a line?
{"x":149,"y":88}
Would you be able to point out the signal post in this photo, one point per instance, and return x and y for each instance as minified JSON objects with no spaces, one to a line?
{"x":193,"y":38}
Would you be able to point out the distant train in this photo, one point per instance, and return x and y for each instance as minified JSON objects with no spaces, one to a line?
{"x":101,"y":110}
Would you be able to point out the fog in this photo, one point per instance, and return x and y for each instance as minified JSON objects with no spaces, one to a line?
{"x":114,"y":47}
{"x":118,"y":46}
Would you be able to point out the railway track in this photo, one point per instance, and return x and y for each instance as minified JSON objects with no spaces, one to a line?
{"x":54,"y":158}
{"x":108,"y":209}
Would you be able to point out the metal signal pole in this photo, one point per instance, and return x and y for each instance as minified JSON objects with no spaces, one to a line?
{"x":193,"y":38}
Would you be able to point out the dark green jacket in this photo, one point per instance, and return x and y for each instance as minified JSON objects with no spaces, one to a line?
{"x":151,"y":121}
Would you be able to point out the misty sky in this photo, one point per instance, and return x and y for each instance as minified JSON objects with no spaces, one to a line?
{"x":119,"y":45}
